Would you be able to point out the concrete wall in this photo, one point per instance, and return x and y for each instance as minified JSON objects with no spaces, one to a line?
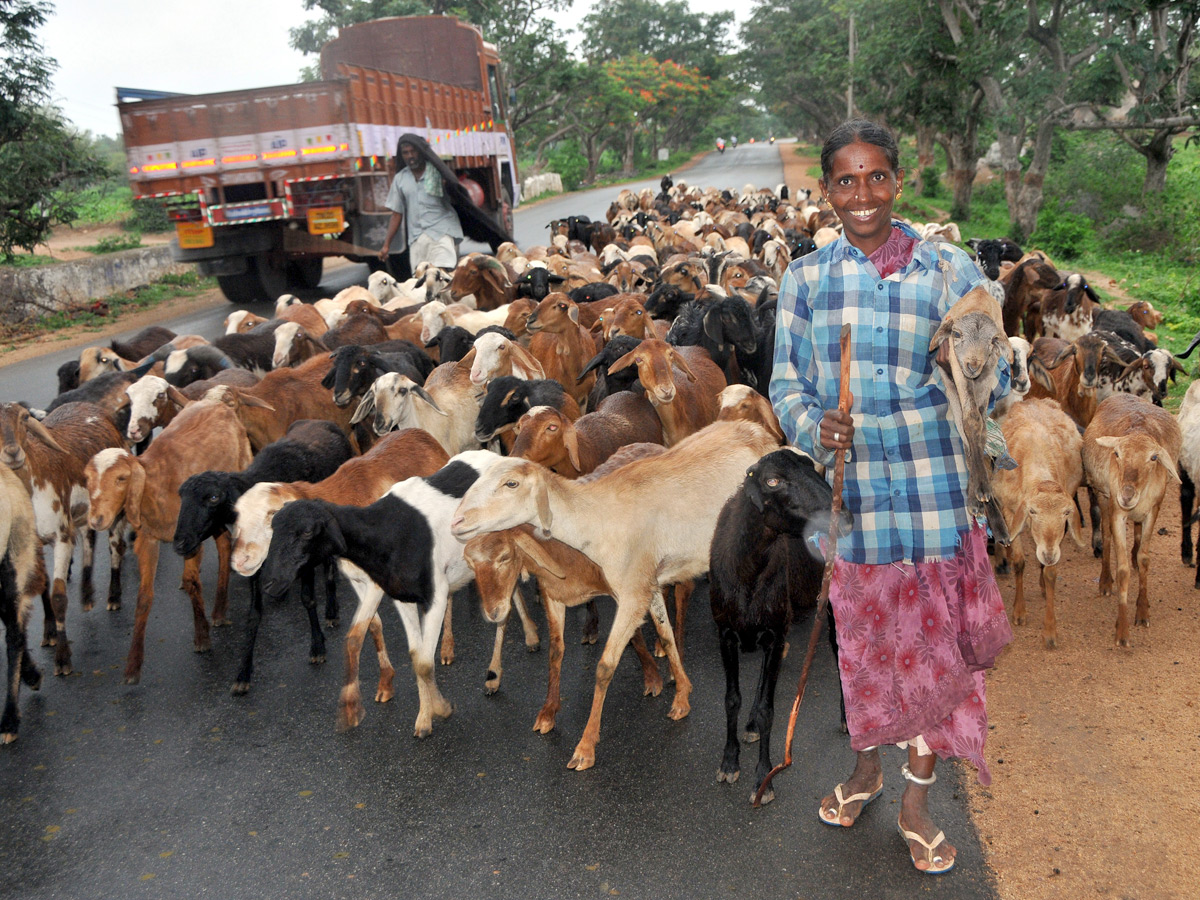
{"x":27,"y":293}
{"x":535,"y":185}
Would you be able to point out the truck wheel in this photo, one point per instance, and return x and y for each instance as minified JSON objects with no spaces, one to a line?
{"x":274,"y":276}
{"x":306,"y":272}
{"x":244,"y":287}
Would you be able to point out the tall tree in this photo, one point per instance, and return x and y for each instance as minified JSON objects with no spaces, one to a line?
{"x":667,"y":31}
{"x":41,"y":157}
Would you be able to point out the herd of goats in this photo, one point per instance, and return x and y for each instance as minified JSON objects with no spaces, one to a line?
{"x":585,"y":418}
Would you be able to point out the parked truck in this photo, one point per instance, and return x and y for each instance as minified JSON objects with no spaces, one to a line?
{"x":263,"y":184}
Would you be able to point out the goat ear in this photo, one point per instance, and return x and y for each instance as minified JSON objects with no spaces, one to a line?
{"x":1039,"y":373}
{"x":468,"y":360}
{"x":366,"y":408}
{"x":330,"y":377}
{"x":251,"y":400}
{"x":753,"y":490}
{"x":1168,"y":464}
{"x":177,"y":396}
{"x":545,"y":516}
{"x":424,"y":395}
{"x":42,"y":433}
{"x":573,"y":313}
{"x":133,"y":495}
{"x":941,"y":334}
{"x":533,"y":548}
{"x":571,"y":442}
{"x":556,"y":279}
{"x":680,"y":363}
{"x":1003,"y":347}
{"x":1107,"y":441}
{"x":713,"y":326}
{"x":623,"y":363}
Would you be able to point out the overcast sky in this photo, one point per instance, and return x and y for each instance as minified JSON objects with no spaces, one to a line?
{"x":189,"y":48}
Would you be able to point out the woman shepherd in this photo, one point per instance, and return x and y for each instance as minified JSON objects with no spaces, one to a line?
{"x":918,"y":613}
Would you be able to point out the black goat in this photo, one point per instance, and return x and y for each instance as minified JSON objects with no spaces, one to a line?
{"x":311,"y":450}
{"x":508,"y":398}
{"x":724,"y":327}
{"x":763,"y":572}
{"x":990,"y":252}
{"x":666,"y":300}
{"x":356,"y":367}
{"x":1121,"y":323}
{"x":535,"y":283}
{"x":68,"y":376}
{"x":622,"y":380}
{"x":596,"y":290}
{"x":143,"y":343}
{"x":453,"y":343}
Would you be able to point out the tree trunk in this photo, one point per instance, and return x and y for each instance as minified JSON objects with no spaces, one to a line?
{"x":1029,"y":199}
{"x":630,"y":149}
{"x":925,"y":156}
{"x":1158,"y":152}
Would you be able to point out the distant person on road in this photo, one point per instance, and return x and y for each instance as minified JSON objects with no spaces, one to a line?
{"x":427,"y":200}
{"x":918,"y":614}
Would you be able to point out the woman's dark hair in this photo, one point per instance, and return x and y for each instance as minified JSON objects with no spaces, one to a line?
{"x":859,"y":131}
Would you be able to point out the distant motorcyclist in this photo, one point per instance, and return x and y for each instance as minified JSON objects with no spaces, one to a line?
{"x":733,"y":141}
{"x":772,"y":139}
{"x":721,"y":145}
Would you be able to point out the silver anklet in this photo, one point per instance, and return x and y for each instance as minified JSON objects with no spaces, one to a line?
{"x":924,"y":782}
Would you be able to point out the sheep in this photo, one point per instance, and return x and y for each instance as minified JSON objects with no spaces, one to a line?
{"x":1130,"y":449}
{"x":310,"y":451}
{"x":22,"y":577}
{"x":484,"y":277}
{"x":562,"y":344}
{"x":1067,"y":310}
{"x":683,"y":406}
{"x":661,"y":539}
{"x":1019,"y":385}
{"x":496,"y":355}
{"x":49,"y":458}
{"x":740,"y":401}
{"x":446,"y":407}
{"x":206,"y":433}
{"x":546,"y":436}
{"x":419,"y":571}
{"x":974,"y":327}
{"x":1040,"y":495}
{"x":1189,"y":469}
{"x":762,"y":573}
{"x":508,"y":398}
{"x":242,"y":321}
{"x":565,"y":578}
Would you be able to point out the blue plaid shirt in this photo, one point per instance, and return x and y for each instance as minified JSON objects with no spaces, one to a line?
{"x":905,"y":478}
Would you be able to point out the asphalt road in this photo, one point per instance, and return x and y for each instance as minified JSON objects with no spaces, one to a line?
{"x":173,"y":788}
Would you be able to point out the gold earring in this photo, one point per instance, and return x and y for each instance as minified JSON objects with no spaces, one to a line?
{"x":900,"y":192}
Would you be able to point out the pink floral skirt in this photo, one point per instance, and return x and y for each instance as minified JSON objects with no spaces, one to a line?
{"x":913,"y":642}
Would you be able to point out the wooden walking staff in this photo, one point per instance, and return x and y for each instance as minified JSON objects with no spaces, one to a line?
{"x":839,"y":471}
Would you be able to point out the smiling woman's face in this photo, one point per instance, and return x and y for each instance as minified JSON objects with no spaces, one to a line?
{"x":861,"y":188}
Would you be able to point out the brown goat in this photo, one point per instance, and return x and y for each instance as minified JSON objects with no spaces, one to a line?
{"x":485,"y":277}
{"x":286,"y":395}
{"x":561,"y":344}
{"x":1130,"y":452}
{"x":206,"y":435}
{"x":685,"y":402}
{"x":548,"y":437}
{"x":49,"y":457}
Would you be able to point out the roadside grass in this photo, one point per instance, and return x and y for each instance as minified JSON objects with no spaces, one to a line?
{"x":114,"y":243}
{"x":27,"y":261}
{"x":96,"y":314}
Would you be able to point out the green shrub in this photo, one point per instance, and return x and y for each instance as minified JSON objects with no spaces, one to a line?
{"x":931,"y":185}
{"x":567,"y":161}
{"x":1064,"y":235}
{"x":116,"y":242}
{"x":148,"y":216}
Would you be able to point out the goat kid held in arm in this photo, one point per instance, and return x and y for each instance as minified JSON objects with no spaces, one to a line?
{"x":918,"y":613}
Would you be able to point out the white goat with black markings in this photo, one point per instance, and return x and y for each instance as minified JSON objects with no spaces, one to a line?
{"x":401,"y":546}
{"x":662,"y":539}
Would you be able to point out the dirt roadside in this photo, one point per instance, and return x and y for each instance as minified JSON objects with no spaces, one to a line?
{"x":1090,"y":744}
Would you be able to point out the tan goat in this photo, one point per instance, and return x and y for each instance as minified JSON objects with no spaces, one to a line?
{"x":1039,"y":495}
{"x":682,"y":383}
{"x":1130,"y":451}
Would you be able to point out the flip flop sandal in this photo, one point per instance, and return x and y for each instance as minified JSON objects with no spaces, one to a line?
{"x":865,"y":797}
{"x":937,"y":865}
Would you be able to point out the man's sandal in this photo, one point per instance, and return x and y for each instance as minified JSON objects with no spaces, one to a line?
{"x":937,"y":865}
{"x":842,"y":801}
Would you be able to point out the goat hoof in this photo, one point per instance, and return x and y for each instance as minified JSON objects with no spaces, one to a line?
{"x":316,"y":659}
{"x":544,"y":724}
{"x":767,"y":796}
{"x":1051,"y":643}
{"x":1003,"y":568}
{"x":112,"y":605}
{"x":204,"y":646}
{"x":31,"y":678}
{"x":222,"y":622}
{"x":132,"y":679}
{"x":534,"y":647}
{"x":332,"y":623}
{"x":729,"y":777}
{"x":240,"y":688}
{"x":49,"y":640}
{"x":679,"y":709}
{"x":422,"y":731}
{"x":491,"y":684}
{"x":383,"y":695}
{"x":581,"y":761}
{"x":1020,"y":620}
{"x":86,"y":605}
{"x":750,"y":737}
{"x":8,"y":737}
{"x":447,"y":658}
{"x":1144,"y":622}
